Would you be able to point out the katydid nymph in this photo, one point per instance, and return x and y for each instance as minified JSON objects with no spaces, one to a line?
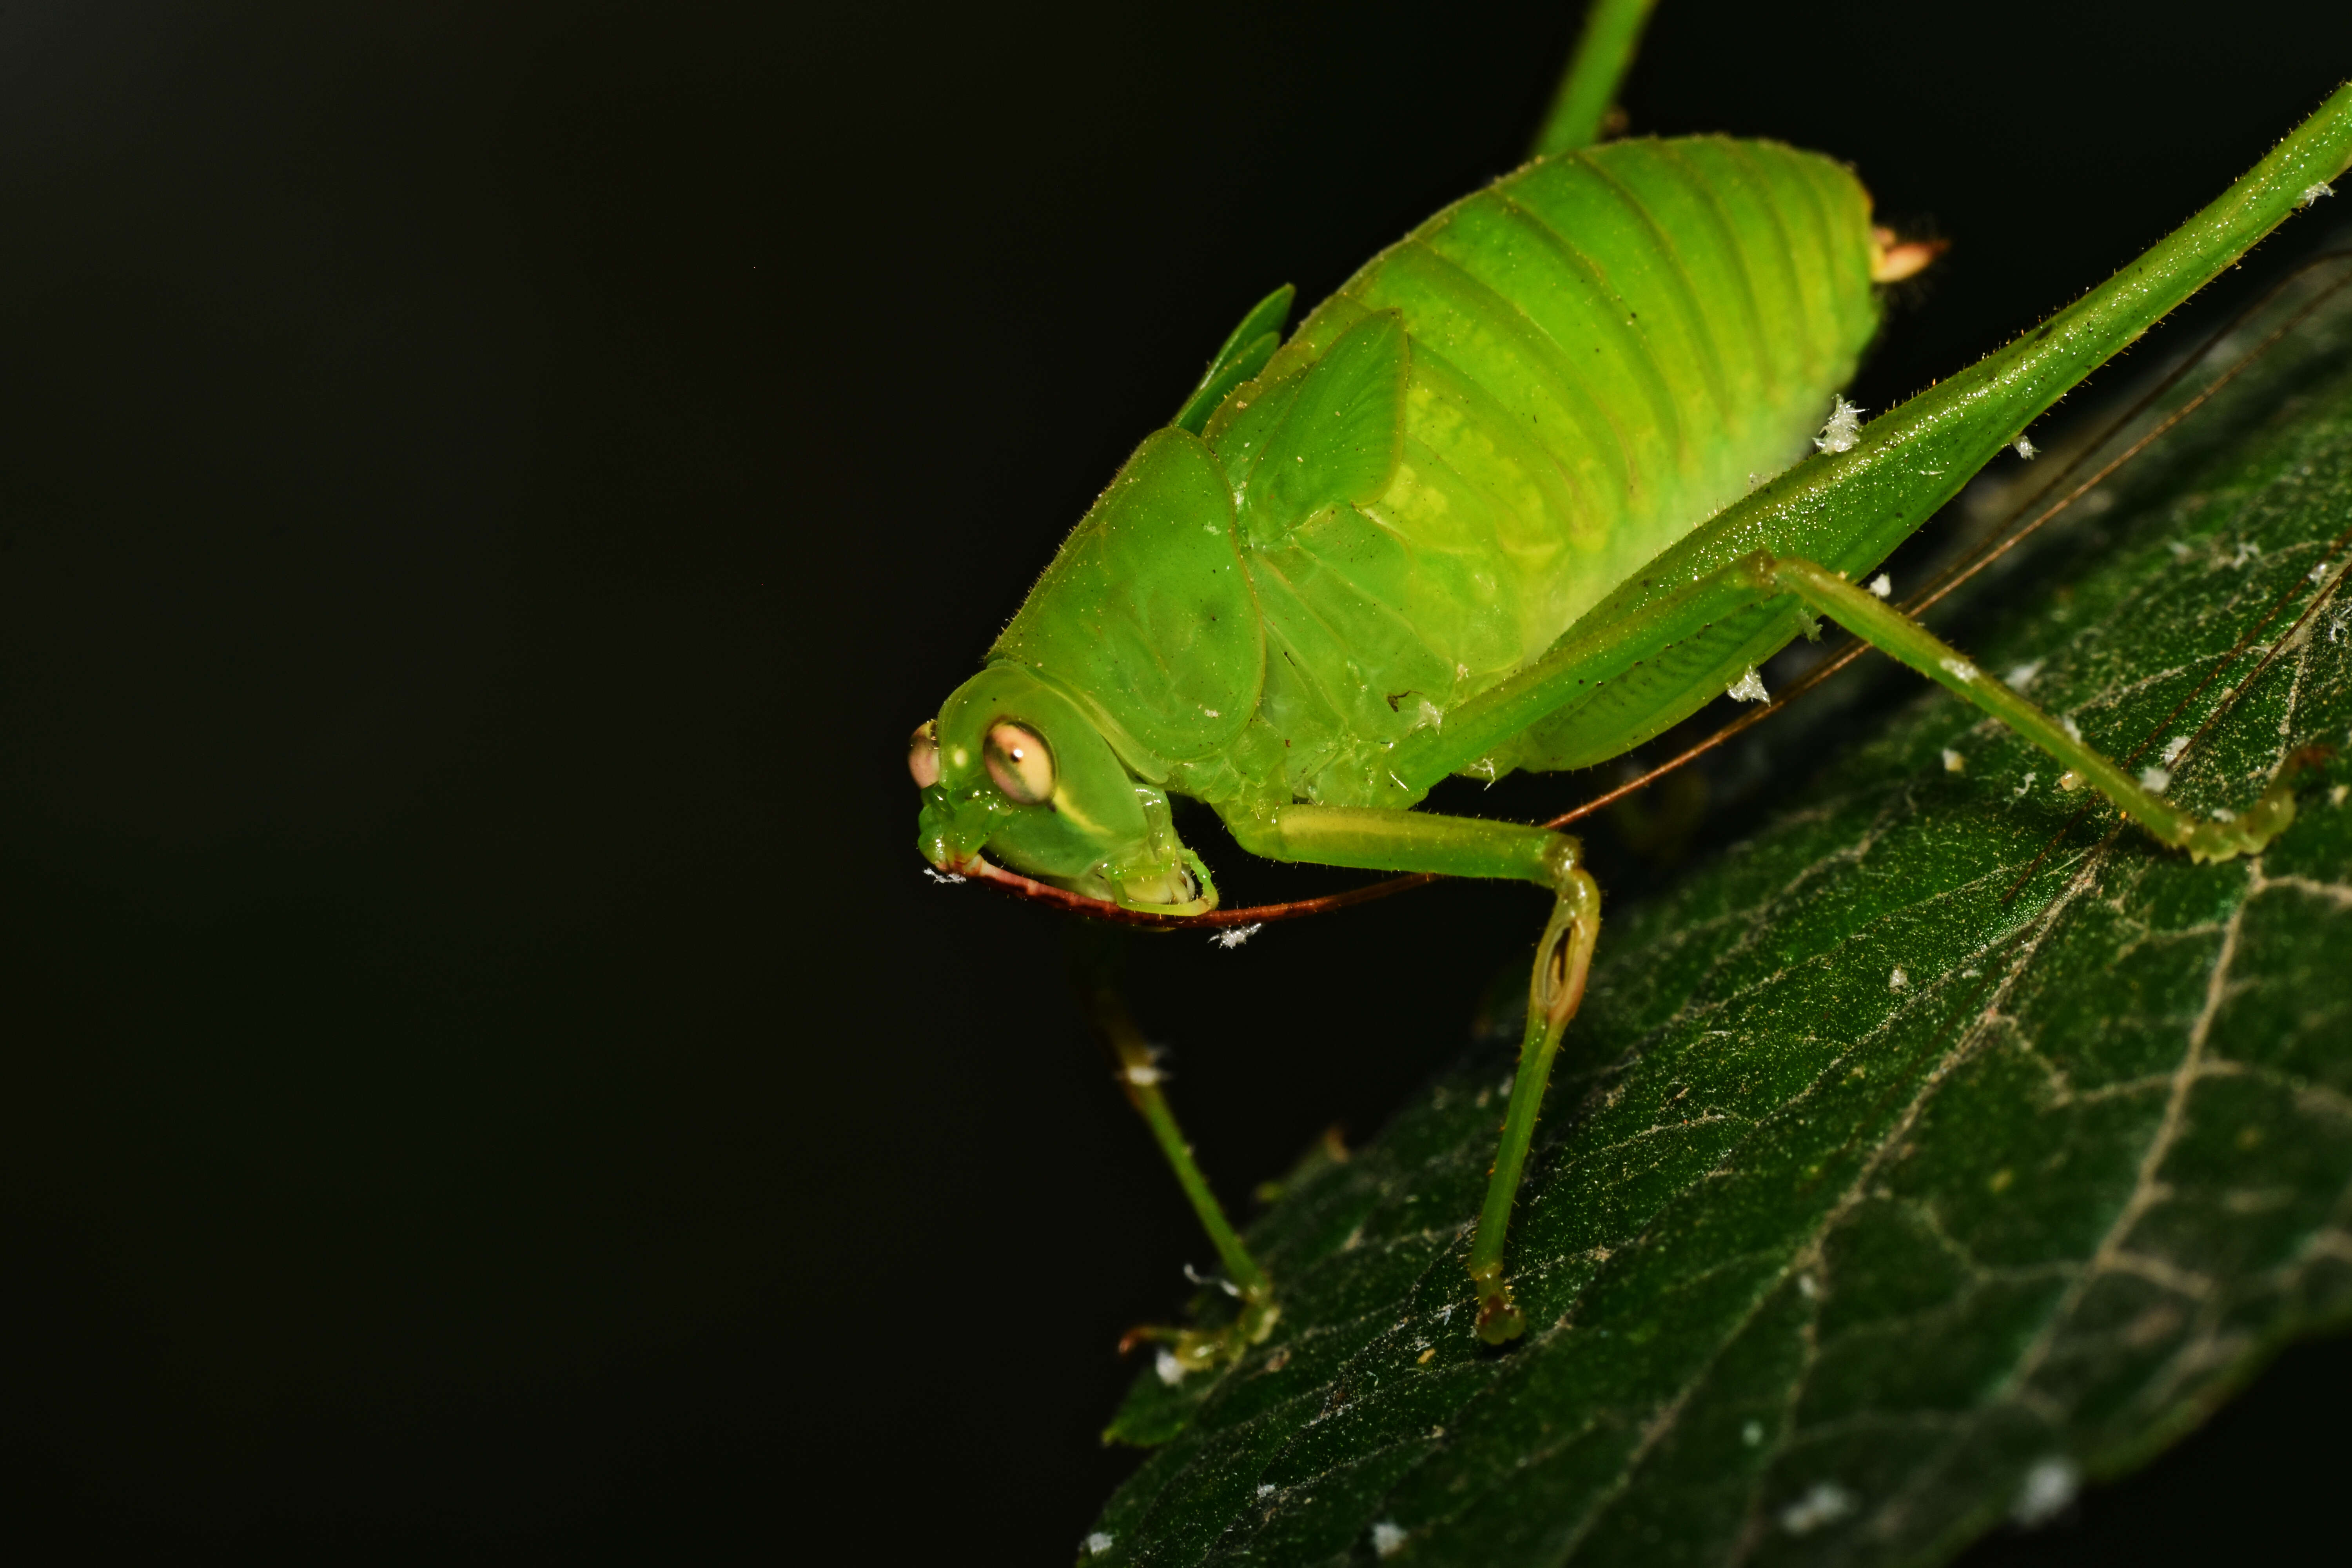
{"x":1545,"y":478}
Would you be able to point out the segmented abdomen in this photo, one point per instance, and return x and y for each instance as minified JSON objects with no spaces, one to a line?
{"x":1606,"y":347}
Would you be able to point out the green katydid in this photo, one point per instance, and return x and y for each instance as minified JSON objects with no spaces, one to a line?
{"x":1523,"y":494}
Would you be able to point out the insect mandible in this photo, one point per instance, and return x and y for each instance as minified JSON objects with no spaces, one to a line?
{"x":1540,"y":480}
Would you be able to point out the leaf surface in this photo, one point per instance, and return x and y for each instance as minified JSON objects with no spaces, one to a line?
{"x":1942,"y":1145}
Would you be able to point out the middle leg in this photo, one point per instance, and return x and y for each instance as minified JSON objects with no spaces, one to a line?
{"x":1381,"y":840}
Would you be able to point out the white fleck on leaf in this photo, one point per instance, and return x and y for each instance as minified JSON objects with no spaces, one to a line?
{"x":2046,"y":1492}
{"x":2024,"y":789}
{"x":1098,"y":1543}
{"x":1748,"y":688}
{"x":1825,"y":1503}
{"x":2312,"y":193}
{"x":1882,"y":585}
{"x":1752,"y":1433}
{"x":1954,"y":762}
{"x":1841,"y":430}
{"x":1959,"y":669}
{"x":2155,"y":781}
{"x":1172,"y":1371}
{"x":2173,"y":748}
{"x":2074,"y":730}
{"x":1388,"y":1538}
{"x":2025,"y":449}
{"x":1895,"y":982}
{"x":2022,"y":676}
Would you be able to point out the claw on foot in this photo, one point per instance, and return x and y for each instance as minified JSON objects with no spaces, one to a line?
{"x":2246,"y":833}
{"x":1499,"y":1318}
{"x":1188,"y":1351}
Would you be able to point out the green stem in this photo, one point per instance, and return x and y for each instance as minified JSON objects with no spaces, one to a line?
{"x":1612,"y":30}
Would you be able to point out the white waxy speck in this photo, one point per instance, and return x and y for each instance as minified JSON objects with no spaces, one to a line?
{"x":1882,"y":585}
{"x":2074,"y":730}
{"x":1229,"y":939}
{"x":1898,"y":981}
{"x":1197,"y":1277}
{"x":2155,"y":781}
{"x":2024,"y":789}
{"x":1748,"y":688}
{"x":1752,"y":1434}
{"x":1265,"y":1489}
{"x":945,"y":879}
{"x":2312,"y":193}
{"x":2223,"y":814}
{"x":2173,"y":748}
{"x":1143,"y":1077}
{"x":1213,"y":712}
{"x":1172,"y":1371}
{"x":2025,"y":449}
{"x":1841,"y":430}
{"x":1825,"y":1503}
{"x":2022,"y":676}
{"x":1954,"y":762}
{"x":1388,"y":1538}
{"x":2069,"y":781}
{"x":1098,"y":1543}
{"x":1805,"y":1285}
{"x":2317,"y":573}
{"x":1959,"y":669}
{"x":2047,"y":1491}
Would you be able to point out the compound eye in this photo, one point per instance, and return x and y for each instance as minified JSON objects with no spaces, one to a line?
{"x":923,"y":754}
{"x":1020,"y":762}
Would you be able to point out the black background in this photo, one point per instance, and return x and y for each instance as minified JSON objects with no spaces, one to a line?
{"x":484,"y":494}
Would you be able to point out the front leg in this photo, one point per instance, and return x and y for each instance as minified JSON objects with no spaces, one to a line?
{"x":1379,"y":840}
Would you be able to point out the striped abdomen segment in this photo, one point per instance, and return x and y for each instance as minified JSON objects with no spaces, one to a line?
{"x":1605,"y":349}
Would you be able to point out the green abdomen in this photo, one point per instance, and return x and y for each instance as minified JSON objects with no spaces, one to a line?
{"x":1600,"y":351}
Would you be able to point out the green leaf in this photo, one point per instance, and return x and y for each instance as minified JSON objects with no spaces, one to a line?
{"x":1940,"y":1146}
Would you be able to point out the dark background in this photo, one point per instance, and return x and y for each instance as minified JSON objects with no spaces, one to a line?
{"x":485,"y":493}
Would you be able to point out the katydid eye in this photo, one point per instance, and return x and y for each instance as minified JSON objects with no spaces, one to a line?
{"x":923,"y":754}
{"x":1020,"y":762}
